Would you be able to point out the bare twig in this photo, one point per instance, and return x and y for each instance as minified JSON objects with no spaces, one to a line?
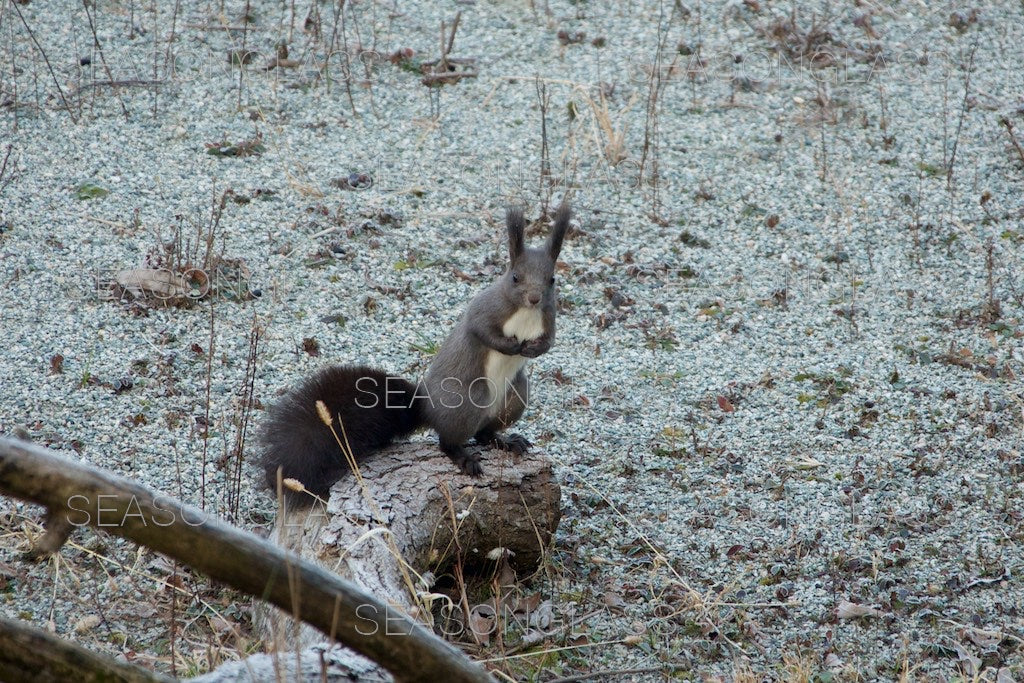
{"x":963,"y":114}
{"x":171,"y":37}
{"x":655,"y":88}
{"x":348,"y":58}
{"x":451,"y":38}
{"x":545,"y":162}
{"x":103,"y":59}
{"x":615,"y":674}
{"x":245,"y":414}
{"x":1005,"y":120}
{"x":130,"y":83}
{"x":4,"y":182}
{"x":241,"y":66}
{"x":452,"y":76}
{"x":60,"y":91}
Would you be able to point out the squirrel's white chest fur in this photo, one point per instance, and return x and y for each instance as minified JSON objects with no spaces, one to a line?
{"x":525,"y":324}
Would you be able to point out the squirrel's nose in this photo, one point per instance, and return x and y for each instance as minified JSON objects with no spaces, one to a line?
{"x":534,"y":299}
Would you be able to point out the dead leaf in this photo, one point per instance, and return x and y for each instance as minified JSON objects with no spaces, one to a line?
{"x":982,"y":638}
{"x":543,"y":616}
{"x":849,"y":610}
{"x":725,"y":405}
{"x":162,"y":283}
{"x":506,"y":574}
{"x":221,"y":626}
{"x":283,"y":63}
{"x":578,"y":639}
{"x":971,"y":664}
{"x":87,"y":623}
{"x":481,"y":623}
{"x":613,"y":600}
{"x":527,"y":604}
{"x":805,"y":463}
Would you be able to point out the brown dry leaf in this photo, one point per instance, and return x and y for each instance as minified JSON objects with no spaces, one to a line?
{"x":725,"y":404}
{"x":283,"y":63}
{"x":527,"y":604}
{"x":87,"y":623}
{"x":849,"y":610}
{"x":971,"y":664}
{"x":159,"y":283}
{"x":578,"y":639}
{"x":462,"y":275}
{"x":613,"y":600}
{"x":506,"y":575}
{"x":221,"y":626}
{"x":805,"y":463}
{"x":481,"y":622}
{"x":982,"y":638}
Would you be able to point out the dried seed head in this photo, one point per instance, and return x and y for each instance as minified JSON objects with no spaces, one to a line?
{"x":325,"y":415}
{"x":293,"y":484}
{"x":497,"y":553}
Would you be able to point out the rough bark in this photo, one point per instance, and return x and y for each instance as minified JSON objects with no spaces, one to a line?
{"x":77,"y":494}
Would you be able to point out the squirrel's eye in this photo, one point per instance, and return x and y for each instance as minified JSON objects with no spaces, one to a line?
{"x":552,"y":279}
{"x":515,"y":277}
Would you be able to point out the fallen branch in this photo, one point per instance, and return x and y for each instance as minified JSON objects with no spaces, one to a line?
{"x":447,"y":77}
{"x":76,"y":494}
{"x":28,"y":653}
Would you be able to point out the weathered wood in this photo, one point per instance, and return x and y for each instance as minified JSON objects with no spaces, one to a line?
{"x":411,"y":502}
{"x":90,"y":496}
{"x":31,"y":655}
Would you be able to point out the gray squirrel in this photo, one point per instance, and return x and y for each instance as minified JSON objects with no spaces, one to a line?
{"x":475,"y":387}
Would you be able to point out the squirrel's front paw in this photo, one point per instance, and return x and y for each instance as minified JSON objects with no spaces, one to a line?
{"x":535,"y":347}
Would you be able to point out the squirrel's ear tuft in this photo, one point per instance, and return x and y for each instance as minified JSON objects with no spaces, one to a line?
{"x":558,"y":232}
{"x":516,"y":231}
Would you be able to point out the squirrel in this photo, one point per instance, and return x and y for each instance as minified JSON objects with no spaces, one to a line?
{"x":475,"y":387}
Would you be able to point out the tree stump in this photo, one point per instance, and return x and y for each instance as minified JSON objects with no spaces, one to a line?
{"x":413,"y":504}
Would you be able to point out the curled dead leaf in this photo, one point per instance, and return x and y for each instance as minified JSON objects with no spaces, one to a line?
{"x":161,"y":283}
{"x":849,"y":610}
{"x":481,"y":623}
{"x":87,"y":623}
{"x":613,"y":600}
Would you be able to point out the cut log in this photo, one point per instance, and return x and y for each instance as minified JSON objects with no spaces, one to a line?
{"x":410,"y":501}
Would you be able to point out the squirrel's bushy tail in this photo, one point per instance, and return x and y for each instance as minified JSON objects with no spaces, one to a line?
{"x":374,"y":407}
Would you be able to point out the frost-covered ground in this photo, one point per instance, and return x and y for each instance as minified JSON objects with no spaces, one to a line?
{"x":788,"y":412}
